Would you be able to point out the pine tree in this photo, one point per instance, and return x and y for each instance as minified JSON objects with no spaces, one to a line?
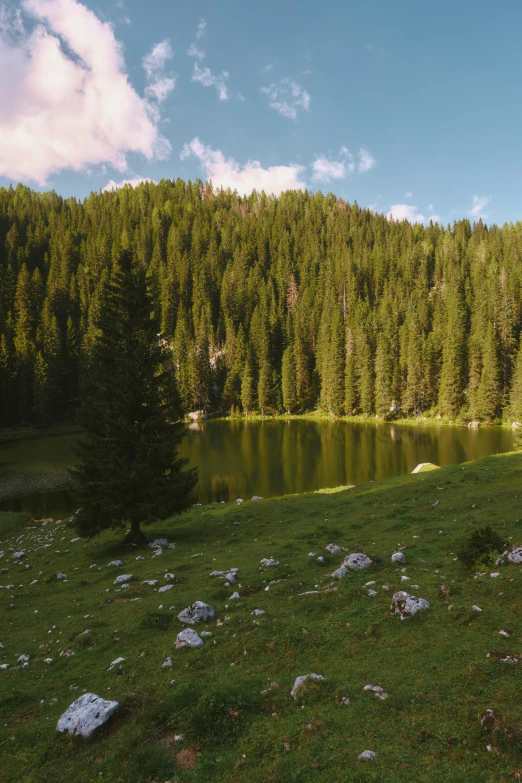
{"x":488,"y":392}
{"x":247,"y":388}
{"x":128,"y":470}
{"x":515,"y":399}
{"x":288,"y":379}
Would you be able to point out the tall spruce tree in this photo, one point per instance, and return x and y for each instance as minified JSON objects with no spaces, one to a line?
{"x":128,"y":471}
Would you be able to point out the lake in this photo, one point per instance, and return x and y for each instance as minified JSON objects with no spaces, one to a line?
{"x":238,"y":459}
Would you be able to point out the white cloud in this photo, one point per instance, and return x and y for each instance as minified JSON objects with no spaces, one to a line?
{"x":409,"y":194}
{"x":207,"y":79}
{"x":201,"y":29}
{"x":409,"y":212}
{"x":193,"y":51}
{"x":287,"y":98}
{"x":325,"y":169}
{"x":67,"y":103}
{"x":159,"y":84}
{"x":366,"y":161}
{"x":241,"y":97}
{"x":228,"y":173}
{"x":268,"y":67}
{"x":479,"y":202}
{"x":112,"y":185}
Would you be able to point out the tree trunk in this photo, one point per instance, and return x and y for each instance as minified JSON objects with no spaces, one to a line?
{"x":135,"y":535}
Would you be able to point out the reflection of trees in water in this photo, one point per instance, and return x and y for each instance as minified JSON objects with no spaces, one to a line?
{"x":241,"y":459}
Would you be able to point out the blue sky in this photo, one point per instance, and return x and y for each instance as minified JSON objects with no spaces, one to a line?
{"x":403,"y":106}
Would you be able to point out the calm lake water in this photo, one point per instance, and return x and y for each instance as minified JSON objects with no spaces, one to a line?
{"x":241,"y":459}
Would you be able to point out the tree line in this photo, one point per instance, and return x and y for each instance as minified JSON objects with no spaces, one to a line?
{"x":269,"y":305}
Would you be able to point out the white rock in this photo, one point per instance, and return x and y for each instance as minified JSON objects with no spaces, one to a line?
{"x":86,"y":714}
{"x":299,"y":682}
{"x":357,"y":561}
{"x":4,"y":665}
{"x":123,"y":578}
{"x":167,"y":662}
{"x":476,"y":608}
{"x":74,"y":540}
{"x":140,"y":557}
{"x":340,"y":572}
{"x":513,"y":556}
{"x":257,"y":497}
{"x":205,"y":634}
{"x":188,"y":638}
{"x":169,"y":577}
{"x":239,"y":500}
{"x":257,"y":612}
{"x":312,"y":554}
{"x":151,"y":582}
{"x":503,"y":633}
{"x":234,"y":597}
{"x":494,"y":574}
{"x":116,"y":563}
{"x":225,"y":574}
{"x":377,"y":691}
{"x":18,"y":555}
{"x":158,"y":542}
{"x":115,"y":663}
{"x":367,"y":755}
{"x":61,"y":576}
{"x":333,"y":548}
{"x":196,"y":612}
{"x":407,"y":605}
{"x":165,"y":588}
{"x":268,"y":561}
{"x":23,"y":658}
{"x":398,"y":557}
{"x":371,"y":592}
{"x":405,"y":578}
{"x":48,"y":660}
{"x":320,"y":559}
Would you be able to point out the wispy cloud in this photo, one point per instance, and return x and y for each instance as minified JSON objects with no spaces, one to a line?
{"x":134,"y":182}
{"x":228,"y":173}
{"x":287,"y":98}
{"x":408,"y":194}
{"x":160,"y":85}
{"x":479,"y":202}
{"x":268,"y":67}
{"x":201,"y":29}
{"x":205,"y":77}
{"x":193,"y":51}
{"x":409,"y":212}
{"x":325,"y":169}
{"x":366,"y":161}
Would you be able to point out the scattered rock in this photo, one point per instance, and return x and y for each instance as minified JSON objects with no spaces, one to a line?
{"x":117,"y":562}
{"x":299,"y":682}
{"x":158,"y":542}
{"x":234,"y":597}
{"x":4,"y":665}
{"x":115,"y":663}
{"x":476,"y":608}
{"x":357,"y":561}
{"x":140,"y":557}
{"x":407,"y":605}
{"x":340,"y":572}
{"x":268,"y":561}
{"x":377,"y":691}
{"x":165,"y":588}
{"x":167,"y":662}
{"x":398,"y":557}
{"x":320,"y":559}
{"x":169,"y":577}
{"x":503,"y":633}
{"x":151,"y":582}
{"x":61,"y":576}
{"x":345,"y":700}
{"x":371,"y":593}
{"x":333,"y":548}
{"x":123,"y":578}
{"x":257,"y":612}
{"x":488,"y":719}
{"x":312,"y":554}
{"x":513,"y":556}
{"x":23,"y":658}
{"x":225,"y":574}
{"x":196,"y":612}
{"x":85,"y":715}
{"x":18,"y":555}
{"x":48,"y":660}
{"x":205,"y":634}
{"x":367,"y":755}
{"x":257,"y":497}
{"x":188,"y":638}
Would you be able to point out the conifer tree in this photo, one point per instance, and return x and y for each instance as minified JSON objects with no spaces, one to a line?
{"x":488,"y":392}
{"x":288,"y":379}
{"x":515,"y":399}
{"x":128,"y":471}
{"x":247,"y":388}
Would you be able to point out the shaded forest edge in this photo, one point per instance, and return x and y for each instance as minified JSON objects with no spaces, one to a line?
{"x":271,"y":305}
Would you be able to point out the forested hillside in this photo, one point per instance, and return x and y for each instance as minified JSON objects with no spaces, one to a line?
{"x":270,"y":304}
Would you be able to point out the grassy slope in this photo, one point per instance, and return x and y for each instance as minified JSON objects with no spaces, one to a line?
{"x":434,"y":665}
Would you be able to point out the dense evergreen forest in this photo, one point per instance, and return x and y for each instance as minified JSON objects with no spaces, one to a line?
{"x":270,"y":304}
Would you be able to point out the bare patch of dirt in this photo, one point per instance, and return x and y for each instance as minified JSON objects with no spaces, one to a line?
{"x":186,"y":758}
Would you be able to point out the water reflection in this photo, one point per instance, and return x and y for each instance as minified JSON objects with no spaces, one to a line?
{"x":241,"y":459}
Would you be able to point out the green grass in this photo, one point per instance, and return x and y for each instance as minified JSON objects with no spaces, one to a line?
{"x":435,"y":666}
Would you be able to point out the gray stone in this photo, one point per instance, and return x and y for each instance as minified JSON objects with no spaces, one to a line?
{"x":299,"y":682}
{"x":196,"y":612}
{"x":188,"y":638}
{"x":158,"y":542}
{"x":268,"y":561}
{"x":234,"y":597}
{"x":225,"y":574}
{"x":333,"y":548}
{"x":123,"y":578}
{"x":165,"y":588}
{"x":514,"y":556}
{"x":167,"y":662}
{"x":150,"y":582}
{"x":23,"y":658}
{"x":116,"y":562}
{"x":205,"y":634}
{"x":398,"y":557}
{"x":257,"y":497}
{"x":257,"y":612}
{"x":407,"y":605}
{"x":61,"y":576}
{"x":85,"y":715}
{"x":367,"y":755}
{"x":115,"y":663}
{"x":169,"y":577}
{"x":340,"y":572}
{"x":357,"y":561}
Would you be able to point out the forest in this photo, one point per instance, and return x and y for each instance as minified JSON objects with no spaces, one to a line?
{"x":270,"y":305}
